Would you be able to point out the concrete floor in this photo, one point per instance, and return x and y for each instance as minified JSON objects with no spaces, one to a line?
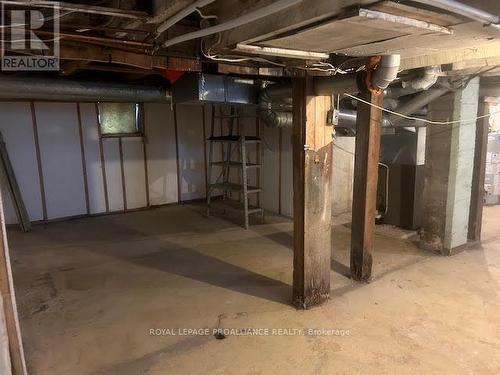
{"x":90,"y":290}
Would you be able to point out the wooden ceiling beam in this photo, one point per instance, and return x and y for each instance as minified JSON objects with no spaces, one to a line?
{"x":92,"y":53}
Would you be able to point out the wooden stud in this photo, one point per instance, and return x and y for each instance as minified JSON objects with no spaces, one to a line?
{"x":179,"y":191}
{"x":145,"y":152}
{"x":365,"y":185}
{"x":39,"y":160}
{"x":204,"y":133}
{"x":280,"y":174}
{"x":312,"y":160}
{"x":122,"y":170}
{"x":478,"y":174}
{"x":84,"y":163}
{"x":103,"y":162}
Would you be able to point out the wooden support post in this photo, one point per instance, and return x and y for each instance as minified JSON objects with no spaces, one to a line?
{"x":9,"y":303}
{"x":365,"y":185}
{"x":478,"y":173}
{"x":312,"y":162}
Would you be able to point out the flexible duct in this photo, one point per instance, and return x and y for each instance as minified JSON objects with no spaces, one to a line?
{"x":275,"y":105}
{"x":66,"y":90}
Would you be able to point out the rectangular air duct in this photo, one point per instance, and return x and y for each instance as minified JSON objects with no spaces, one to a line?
{"x":196,"y":88}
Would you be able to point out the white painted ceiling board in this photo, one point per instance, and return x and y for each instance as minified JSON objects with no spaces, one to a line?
{"x":113,"y":173}
{"x":95,"y":180}
{"x":60,"y":154}
{"x":191,"y":152}
{"x":17,"y":128}
{"x":161,"y":153}
{"x":135,"y":172}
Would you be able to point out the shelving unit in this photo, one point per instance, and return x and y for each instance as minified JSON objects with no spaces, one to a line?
{"x":232,"y":143}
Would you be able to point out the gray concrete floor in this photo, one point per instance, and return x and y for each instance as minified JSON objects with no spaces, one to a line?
{"x":90,"y":290}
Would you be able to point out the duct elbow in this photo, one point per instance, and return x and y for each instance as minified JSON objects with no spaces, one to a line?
{"x":387,"y":71}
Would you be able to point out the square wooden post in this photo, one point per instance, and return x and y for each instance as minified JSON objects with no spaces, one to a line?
{"x":365,"y":184}
{"x":312,"y":162}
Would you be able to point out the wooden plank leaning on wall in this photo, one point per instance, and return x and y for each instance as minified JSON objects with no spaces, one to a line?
{"x":9,"y":303}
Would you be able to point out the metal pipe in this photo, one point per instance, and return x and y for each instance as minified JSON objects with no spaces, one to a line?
{"x":66,"y":90}
{"x":183,"y":13}
{"x":239,"y":21}
{"x":418,"y":102}
{"x":347,"y":119}
{"x":338,"y":84}
{"x":385,"y":73}
{"x":79,"y":8}
{"x":464,"y":10}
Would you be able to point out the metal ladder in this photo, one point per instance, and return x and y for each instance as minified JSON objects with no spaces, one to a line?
{"x":234,"y":141}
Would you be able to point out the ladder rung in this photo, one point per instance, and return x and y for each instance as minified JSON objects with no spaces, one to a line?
{"x":235,"y":187}
{"x":236,"y":205}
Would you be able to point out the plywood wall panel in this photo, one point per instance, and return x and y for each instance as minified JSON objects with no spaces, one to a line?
{"x":191,"y":152}
{"x":60,"y":153}
{"x":16,"y":126}
{"x":95,"y":178}
{"x":270,"y":169}
{"x":135,"y":173}
{"x":113,"y":173}
{"x":161,"y":153}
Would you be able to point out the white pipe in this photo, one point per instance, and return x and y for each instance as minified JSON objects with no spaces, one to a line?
{"x":246,"y":18}
{"x":387,"y":71}
{"x":464,"y":10}
{"x":181,"y":15}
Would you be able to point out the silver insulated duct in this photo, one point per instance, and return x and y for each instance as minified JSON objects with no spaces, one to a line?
{"x":67,"y":90}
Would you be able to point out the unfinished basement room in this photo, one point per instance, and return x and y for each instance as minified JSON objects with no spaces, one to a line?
{"x":250,"y":187}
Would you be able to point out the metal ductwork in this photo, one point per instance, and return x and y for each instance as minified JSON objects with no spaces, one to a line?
{"x":196,"y":88}
{"x":275,"y":100}
{"x":275,"y":105}
{"x":65,"y":90}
